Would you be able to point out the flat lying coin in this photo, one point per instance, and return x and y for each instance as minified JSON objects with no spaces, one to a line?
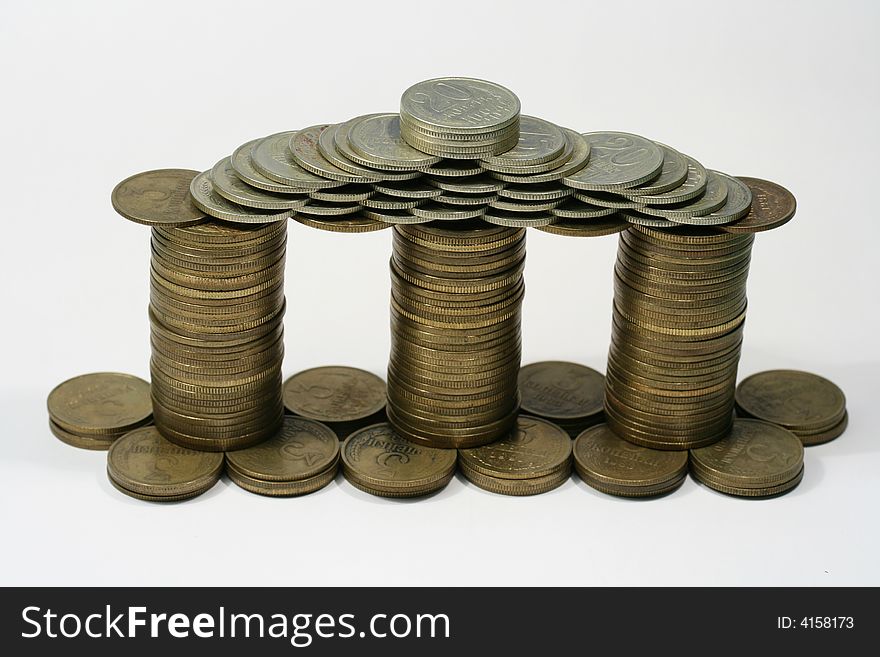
{"x":561,"y":391}
{"x":334,"y":394}
{"x":157,"y":198}
{"x":618,"y":160}
{"x":772,"y":206}
{"x":100,"y":404}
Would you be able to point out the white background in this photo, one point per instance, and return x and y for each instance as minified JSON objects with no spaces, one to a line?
{"x":93,"y":92}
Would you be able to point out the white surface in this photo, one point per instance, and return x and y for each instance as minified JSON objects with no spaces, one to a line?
{"x":94,"y":92}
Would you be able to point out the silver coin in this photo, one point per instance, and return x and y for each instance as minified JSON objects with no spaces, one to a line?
{"x":673,"y":173}
{"x":244,"y":169}
{"x":510,"y":205}
{"x":350,"y":193}
{"x":736,"y":206}
{"x":451,"y":198}
{"x":384,"y":202}
{"x":418,"y":188}
{"x":711,"y":200}
{"x":436,"y":212}
{"x":539,"y":192}
{"x":539,"y":142}
{"x":325,"y":209}
{"x":639,"y":219}
{"x":272,"y":158}
{"x":327,"y":147}
{"x":304,"y":149}
{"x":376,"y":139}
{"x":210,"y":202}
{"x":395,"y":216}
{"x":692,"y":187}
{"x":481,"y":184}
{"x":618,"y":160}
{"x":455,"y":168}
{"x":580,"y":157}
{"x":460,"y":105}
{"x":228,"y":185}
{"x":606,"y":200}
{"x":518,"y":219}
{"x":574,"y":209}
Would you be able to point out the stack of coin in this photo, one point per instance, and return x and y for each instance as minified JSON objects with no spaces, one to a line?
{"x":533,"y":458}
{"x":570,"y":395}
{"x":757,"y":459}
{"x":301,"y":458}
{"x":344,"y":398}
{"x":92,"y":410}
{"x":144,"y":465}
{"x":617,"y":467}
{"x":216,"y":309}
{"x":679,"y":309}
{"x":456,"y":297}
{"x":379,"y":461}
{"x":459,"y":118}
{"x":808,"y":405}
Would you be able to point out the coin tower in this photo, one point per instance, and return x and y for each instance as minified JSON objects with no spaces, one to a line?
{"x":458,"y":174}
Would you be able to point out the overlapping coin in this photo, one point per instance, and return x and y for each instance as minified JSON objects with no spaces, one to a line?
{"x":568,"y":394}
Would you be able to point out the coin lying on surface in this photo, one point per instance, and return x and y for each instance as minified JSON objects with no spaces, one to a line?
{"x":158,"y":198}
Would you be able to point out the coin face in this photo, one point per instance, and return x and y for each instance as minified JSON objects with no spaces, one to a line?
{"x":559,"y":389}
{"x":772,"y":206}
{"x":539,"y":141}
{"x":273,"y":159}
{"x":736,"y":205}
{"x":100,"y":403}
{"x":460,"y":104}
{"x":145,"y":462}
{"x":535,"y":448}
{"x":205,"y":196}
{"x":754,"y":454}
{"x":157,"y":198}
{"x":793,"y":399}
{"x":605,"y":457}
{"x":377,"y":139}
{"x":378,"y":455}
{"x":334,"y":394}
{"x":300,"y":450}
{"x":618,"y":160}
{"x":228,"y":185}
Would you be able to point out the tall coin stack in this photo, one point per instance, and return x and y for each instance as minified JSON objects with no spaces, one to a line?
{"x":456,"y":295}
{"x":216,"y":309}
{"x":679,"y":310}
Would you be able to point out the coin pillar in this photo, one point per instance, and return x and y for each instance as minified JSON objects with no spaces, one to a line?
{"x":216,"y":310}
{"x":678,"y":316}
{"x":456,"y":297}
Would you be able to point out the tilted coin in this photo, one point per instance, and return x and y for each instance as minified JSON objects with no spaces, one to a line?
{"x":327,"y":146}
{"x":418,"y":188}
{"x":351,"y":193}
{"x":100,"y":404}
{"x":304,"y":149}
{"x":325,"y":209}
{"x":206,"y":198}
{"x":144,"y":462}
{"x":618,"y":160}
{"x":601,"y":456}
{"x":535,"y":448}
{"x":799,"y":401}
{"x":539,"y":141}
{"x":272,"y":158}
{"x":560,"y":390}
{"x":334,"y":394}
{"x":82,"y":442}
{"x":736,"y":206}
{"x":228,"y":185}
{"x":381,"y":460}
{"x":376,"y":139}
{"x":694,"y":185}
{"x":517,"y":219}
{"x":712,"y":199}
{"x":345,"y":224}
{"x":157,"y":198}
{"x":673,"y":174}
{"x":460,"y":105}
{"x":607,"y":225}
{"x":454,"y":168}
{"x":580,"y":156}
{"x":772,"y":206}
{"x":302,"y":449}
{"x":243,"y":166}
{"x":575,"y":209}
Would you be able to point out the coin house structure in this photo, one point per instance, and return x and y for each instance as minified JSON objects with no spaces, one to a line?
{"x":459,"y":175}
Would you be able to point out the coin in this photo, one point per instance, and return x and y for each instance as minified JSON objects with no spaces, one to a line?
{"x":535,"y":448}
{"x":100,"y":405}
{"x":618,"y":160}
{"x":673,"y":174}
{"x":207,"y":199}
{"x":806,"y":404}
{"x":378,"y":460}
{"x":157,"y":198}
{"x":607,"y":225}
{"x":694,"y":185}
{"x":376,"y":139}
{"x":303,"y":146}
{"x":228,"y":185}
{"x":711,"y":200}
{"x":772,"y":206}
{"x":569,"y":394}
{"x":736,"y":206}
{"x":459,"y":105}
{"x":273,"y":159}
{"x":144,"y":462}
{"x":348,"y":224}
{"x":539,"y":142}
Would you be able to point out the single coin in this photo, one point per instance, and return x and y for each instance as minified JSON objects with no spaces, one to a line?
{"x":755,"y":454}
{"x":334,"y":394}
{"x":418,"y":188}
{"x":574,"y":209}
{"x":144,"y":462}
{"x":304,"y":149}
{"x":460,"y":105}
{"x":772,"y":206}
{"x":325,"y":209}
{"x":535,"y":448}
{"x":693,"y":185}
{"x":736,"y":206}
{"x":560,"y":390}
{"x":158,"y":198}
{"x":228,"y":185}
{"x":206,"y":197}
{"x":610,"y":460}
{"x":100,"y":404}
{"x":517,"y":219}
{"x":301,"y":450}
{"x":243,"y":166}
{"x":618,"y":160}
{"x":272,"y":158}
{"x":793,"y":399}
{"x":350,"y":193}
{"x":539,"y":141}
{"x":377,"y":140}
{"x":608,"y":225}
{"x":454,"y":168}
{"x":672,"y":175}
{"x":377,"y":456}
{"x":346,"y":224}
